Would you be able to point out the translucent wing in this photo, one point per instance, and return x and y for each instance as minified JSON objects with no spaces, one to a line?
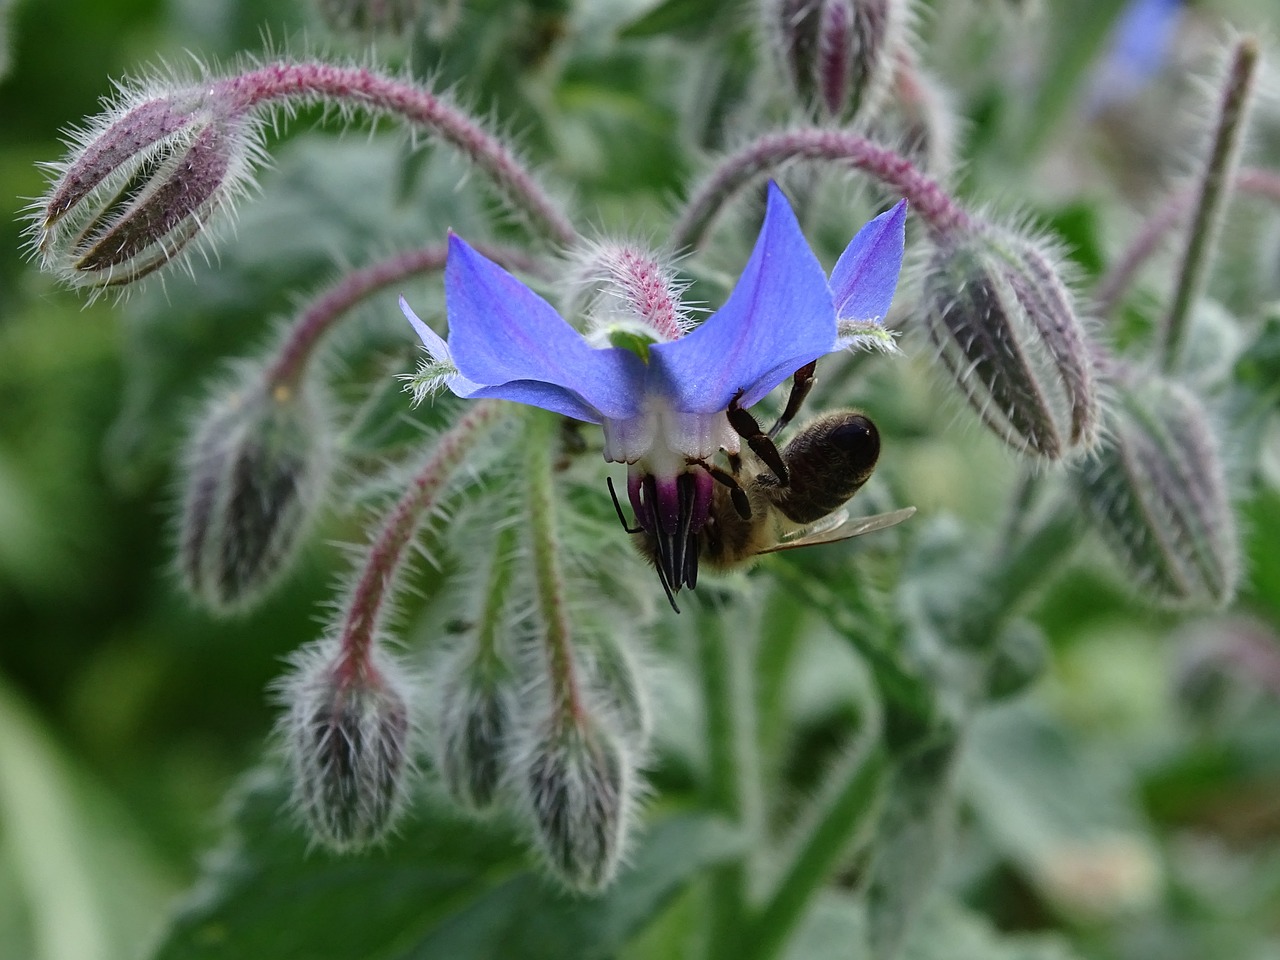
{"x":839,"y":526}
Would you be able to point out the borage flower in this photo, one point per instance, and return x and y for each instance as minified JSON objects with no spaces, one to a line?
{"x":661,"y":399}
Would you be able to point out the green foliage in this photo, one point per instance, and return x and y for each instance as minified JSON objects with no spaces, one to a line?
{"x":448,"y":886}
{"x":971,"y":737}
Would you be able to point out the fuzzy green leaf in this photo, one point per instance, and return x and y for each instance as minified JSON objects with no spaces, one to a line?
{"x":449,"y":886}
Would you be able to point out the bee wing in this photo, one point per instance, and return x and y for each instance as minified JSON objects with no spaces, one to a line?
{"x":840,"y":526}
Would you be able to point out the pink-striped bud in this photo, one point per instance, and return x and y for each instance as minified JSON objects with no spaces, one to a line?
{"x":371,"y":18}
{"x":838,"y":54}
{"x":578,"y":781}
{"x":478,"y":695}
{"x":1156,"y":491}
{"x":346,"y":732}
{"x":1007,"y":329}
{"x":144,"y":179}
{"x":257,"y":466}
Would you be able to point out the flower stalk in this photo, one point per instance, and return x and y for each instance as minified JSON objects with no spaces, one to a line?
{"x":731,"y":772}
{"x":1206,"y":221}
{"x":845,"y":812}
{"x":294,"y":355}
{"x":290,"y":83}
{"x":940,"y":212}
{"x":1156,"y":229}
{"x":548,"y":581}
{"x":478,"y":693}
{"x":385,"y":560}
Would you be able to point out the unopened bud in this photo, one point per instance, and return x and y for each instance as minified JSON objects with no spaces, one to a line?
{"x":1224,"y":666}
{"x":614,"y":684}
{"x":145,"y":179}
{"x":628,"y":294}
{"x":1157,"y":494}
{"x":1007,"y":329}
{"x":919,"y":118}
{"x":579,"y":783}
{"x":477,"y":702}
{"x":346,"y":732}
{"x":370,"y":17}
{"x":256,"y":469}
{"x":838,"y":54}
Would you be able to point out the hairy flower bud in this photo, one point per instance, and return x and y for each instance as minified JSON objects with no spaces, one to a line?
{"x":1157,"y":494}
{"x":613,"y":680}
{"x":370,"y":17}
{"x":256,"y":468}
{"x":579,"y":782}
{"x":838,"y":54}
{"x":1008,"y":332}
{"x":346,"y":732}
{"x":477,"y":700}
{"x":144,"y":179}
{"x":919,"y":118}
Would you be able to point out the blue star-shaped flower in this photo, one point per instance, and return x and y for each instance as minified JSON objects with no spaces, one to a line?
{"x":663,"y":409}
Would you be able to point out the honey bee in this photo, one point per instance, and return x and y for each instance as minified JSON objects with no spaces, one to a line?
{"x":771,"y":500}
{"x":827,"y":462}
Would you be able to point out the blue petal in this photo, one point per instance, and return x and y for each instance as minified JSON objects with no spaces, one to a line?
{"x":531,"y":392}
{"x":1141,"y":38}
{"x":513,"y":344}
{"x":866,"y":275}
{"x":437,"y":349}
{"x":778,"y":318}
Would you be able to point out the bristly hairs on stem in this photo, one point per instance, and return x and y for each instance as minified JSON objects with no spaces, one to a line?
{"x":316,"y":318}
{"x":1156,"y":229}
{"x":1215,"y":178}
{"x":350,"y":88}
{"x":364,"y":607}
{"x":942,"y":215}
{"x":146,"y":176}
{"x":577,"y":775}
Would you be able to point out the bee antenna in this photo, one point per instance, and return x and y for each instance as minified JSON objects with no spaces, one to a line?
{"x":622,"y":518}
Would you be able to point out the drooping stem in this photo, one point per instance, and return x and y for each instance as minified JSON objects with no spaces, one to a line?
{"x":488,"y":632}
{"x":540,"y":444}
{"x":385,"y":559}
{"x":844,"y":812}
{"x":1206,"y":221}
{"x":929,"y":201}
{"x":323,"y":313}
{"x":312,"y":81}
{"x":1157,"y":228}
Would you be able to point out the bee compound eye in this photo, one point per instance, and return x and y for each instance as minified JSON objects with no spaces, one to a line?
{"x":858,"y":437}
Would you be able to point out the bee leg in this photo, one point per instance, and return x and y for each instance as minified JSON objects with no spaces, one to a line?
{"x":761,"y":445}
{"x":801,"y":384}
{"x":618,"y":507}
{"x":739,"y":496}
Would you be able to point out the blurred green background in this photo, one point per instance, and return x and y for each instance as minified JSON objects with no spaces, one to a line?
{"x":1132,"y":802}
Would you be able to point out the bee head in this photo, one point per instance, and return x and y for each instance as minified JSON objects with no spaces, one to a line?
{"x":857,"y":438}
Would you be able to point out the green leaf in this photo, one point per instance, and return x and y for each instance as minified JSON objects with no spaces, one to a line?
{"x":325,"y":202}
{"x":450,"y":886}
{"x":679,"y":17}
{"x":1062,"y":814}
{"x":836,"y":929}
{"x":85,"y":886}
{"x":914,"y":830}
